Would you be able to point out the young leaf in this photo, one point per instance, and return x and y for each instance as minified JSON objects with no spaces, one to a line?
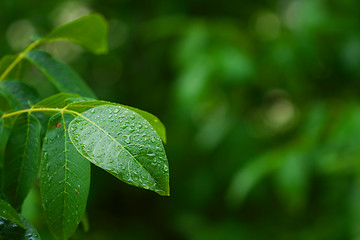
{"x":89,"y":31}
{"x":18,"y":72}
{"x":10,"y":230}
{"x":124,"y":144}
{"x":20,"y":94}
{"x":64,"y":78}
{"x":81,"y":105}
{"x":55,"y":101}
{"x":8,"y":212}
{"x":64,"y":178}
{"x":21,"y":159}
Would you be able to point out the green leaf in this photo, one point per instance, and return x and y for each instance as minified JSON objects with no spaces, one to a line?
{"x":21,"y":160}
{"x":89,"y":31}
{"x":19,"y":94}
{"x":81,"y":105}
{"x":64,"y":178}
{"x":11,"y":231}
{"x":18,"y":72}
{"x":4,"y":103}
{"x":55,"y":101}
{"x":8,"y":212}
{"x":124,"y":144}
{"x":64,"y":78}
{"x":4,"y":136}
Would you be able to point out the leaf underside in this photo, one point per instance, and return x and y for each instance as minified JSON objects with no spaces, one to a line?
{"x":124,"y":144}
{"x":64,"y":178}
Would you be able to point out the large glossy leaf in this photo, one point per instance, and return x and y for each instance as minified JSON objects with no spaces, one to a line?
{"x":8,"y":212}
{"x":19,"y":94}
{"x":11,"y":231}
{"x":82,"y":104}
{"x":89,"y":31}
{"x":21,"y":159}
{"x":18,"y":72}
{"x":64,"y":178}
{"x":64,"y":78}
{"x":124,"y":144}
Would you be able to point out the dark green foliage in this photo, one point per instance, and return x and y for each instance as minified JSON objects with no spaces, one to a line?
{"x":122,"y":140}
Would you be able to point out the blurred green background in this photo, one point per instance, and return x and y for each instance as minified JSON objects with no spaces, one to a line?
{"x":261,"y":100}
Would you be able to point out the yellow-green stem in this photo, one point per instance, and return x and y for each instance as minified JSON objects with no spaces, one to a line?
{"x":18,"y":59}
{"x":30,"y":110}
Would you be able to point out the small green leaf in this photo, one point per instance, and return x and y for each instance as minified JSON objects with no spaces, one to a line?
{"x":55,"y":101}
{"x":19,"y":94}
{"x":8,"y":212}
{"x":11,"y":231}
{"x":18,"y":72}
{"x":123,"y":143}
{"x":81,"y":105}
{"x":64,"y":78}
{"x":64,"y":178}
{"x":89,"y":31}
{"x":21,"y":160}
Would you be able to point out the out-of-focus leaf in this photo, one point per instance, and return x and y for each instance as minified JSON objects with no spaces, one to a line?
{"x":19,"y":94}
{"x":18,"y":72}
{"x":64,"y":78}
{"x":11,"y":231}
{"x":292,"y":181}
{"x":21,"y":160}
{"x":8,"y":212}
{"x":64,"y":178}
{"x":89,"y":31}
{"x":123,"y":143}
{"x":250,"y":175}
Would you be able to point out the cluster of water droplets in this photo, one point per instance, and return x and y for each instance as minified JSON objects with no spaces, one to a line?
{"x":123,"y":143}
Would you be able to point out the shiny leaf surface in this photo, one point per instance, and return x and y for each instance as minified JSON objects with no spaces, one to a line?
{"x":123,"y":143}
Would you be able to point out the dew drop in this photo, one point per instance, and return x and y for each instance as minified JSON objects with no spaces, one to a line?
{"x":153,"y":139}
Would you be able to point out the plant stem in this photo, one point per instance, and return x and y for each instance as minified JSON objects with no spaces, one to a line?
{"x":19,"y":58}
{"x":30,"y":110}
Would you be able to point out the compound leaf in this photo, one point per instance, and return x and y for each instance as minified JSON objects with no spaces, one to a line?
{"x":64,"y":78}
{"x":89,"y":31}
{"x":8,"y":212}
{"x":21,"y":159}
{"x":123,"y":143}
{"x":64,"y":178}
